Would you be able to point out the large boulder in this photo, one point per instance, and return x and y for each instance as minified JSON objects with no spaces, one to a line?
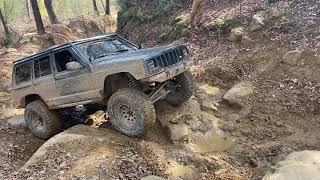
{"x":298,"y":165}
{"x":238,"y":92}
{"x":84,"y":152}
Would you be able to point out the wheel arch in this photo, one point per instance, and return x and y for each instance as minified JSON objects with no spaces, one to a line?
{"x":29,"y":98}
{"x":114,"y":82}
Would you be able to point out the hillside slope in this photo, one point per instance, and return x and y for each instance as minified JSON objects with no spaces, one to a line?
{"x":280,"y":61}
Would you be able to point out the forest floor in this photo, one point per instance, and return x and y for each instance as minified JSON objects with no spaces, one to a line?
{"x":281,"y":116}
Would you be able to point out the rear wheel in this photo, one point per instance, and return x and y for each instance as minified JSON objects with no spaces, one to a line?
{"x":182,"y":90}
{"x":43,"y":122}
{"x":131,"y":112}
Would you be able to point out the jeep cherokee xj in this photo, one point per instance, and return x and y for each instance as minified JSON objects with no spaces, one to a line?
{"x":107,"y":70}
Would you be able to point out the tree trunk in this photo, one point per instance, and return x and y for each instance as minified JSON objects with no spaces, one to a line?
{"x":51,"y":13}
{"x":8,"y":37}
{"x":37,"y":17}
{"x":28,"y":9}
{"x":107,"y":7}
{"x":95,"y":7}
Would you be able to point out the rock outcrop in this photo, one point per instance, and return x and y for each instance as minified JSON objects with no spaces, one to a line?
{"x":298,"y":165}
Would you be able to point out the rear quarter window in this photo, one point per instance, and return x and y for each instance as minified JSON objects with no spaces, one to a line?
{"x":23,"y":72}
{"x":42,"y":67}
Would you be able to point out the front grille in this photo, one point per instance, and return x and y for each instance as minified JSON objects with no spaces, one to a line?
{"x":168,"y":58}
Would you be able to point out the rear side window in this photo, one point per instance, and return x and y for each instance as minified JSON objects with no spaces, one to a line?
{"x":23,"y":73}
{"x":42,"y":67}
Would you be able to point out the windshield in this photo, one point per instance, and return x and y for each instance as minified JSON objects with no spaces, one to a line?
{"x":104,"y":47}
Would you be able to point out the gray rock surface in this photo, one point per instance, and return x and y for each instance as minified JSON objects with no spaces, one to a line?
{"x":297,"y":166}
{"x":292,"y":57}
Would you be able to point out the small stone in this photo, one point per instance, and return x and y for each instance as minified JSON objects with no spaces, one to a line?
{"x":236,"y":34}
{"x":292,"y":57}
{"x":257,"y":22}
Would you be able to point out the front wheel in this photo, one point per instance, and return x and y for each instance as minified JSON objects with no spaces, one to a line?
{"x":131,"y":112}
{"x":182,"y":90}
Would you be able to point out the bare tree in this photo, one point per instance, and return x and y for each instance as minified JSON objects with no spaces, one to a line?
{"x":95,"y":7}
{"x":8,"y":37}
{"x":107,"y":7}
{"x":51,"y":13}
{"x":37,"y":17}
{"x":197,"y":13}
{"x":28,"y":9}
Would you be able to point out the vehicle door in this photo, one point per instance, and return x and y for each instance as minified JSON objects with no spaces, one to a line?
{"x":72,"y":85}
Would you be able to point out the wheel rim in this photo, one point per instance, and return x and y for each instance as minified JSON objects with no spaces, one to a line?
{"x":127,"y":116}
{"x":36,"y":120}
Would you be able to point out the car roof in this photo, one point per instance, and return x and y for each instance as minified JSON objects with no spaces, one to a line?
{"x":61,"y":46}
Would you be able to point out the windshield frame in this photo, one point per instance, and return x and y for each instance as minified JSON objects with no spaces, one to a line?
{"x":107,"y":37}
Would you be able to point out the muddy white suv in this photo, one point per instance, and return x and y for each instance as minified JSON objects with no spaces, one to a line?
{"x":106,"y":70}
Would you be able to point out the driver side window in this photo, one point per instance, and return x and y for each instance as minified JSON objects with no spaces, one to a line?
{"x":62,"y":58}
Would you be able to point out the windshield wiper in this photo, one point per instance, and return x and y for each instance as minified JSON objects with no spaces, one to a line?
{"x":122,"y":50}
{"x":102,"y":55}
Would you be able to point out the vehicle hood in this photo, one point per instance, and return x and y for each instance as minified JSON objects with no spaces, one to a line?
{"x":140,"y":54}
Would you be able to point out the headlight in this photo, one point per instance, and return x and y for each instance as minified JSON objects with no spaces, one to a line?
{"x":150,"y":64}
{"x":185,"y":51}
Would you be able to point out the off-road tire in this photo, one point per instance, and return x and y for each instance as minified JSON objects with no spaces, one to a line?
{"x":183,"y":91}
{"x":141,"y":108}
{"x":49,"y":118}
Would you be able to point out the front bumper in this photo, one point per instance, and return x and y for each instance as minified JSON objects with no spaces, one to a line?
{"x":169,"y":72}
